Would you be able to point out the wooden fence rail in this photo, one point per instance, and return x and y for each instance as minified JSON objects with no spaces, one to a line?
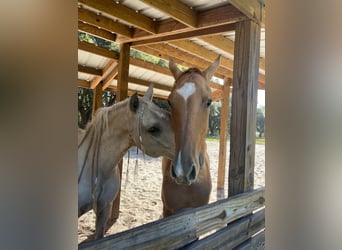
{"x":181,"y":229}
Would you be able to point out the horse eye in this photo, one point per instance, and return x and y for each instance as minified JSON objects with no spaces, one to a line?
{"x":209,"y":102}
{"x":153,"y":130}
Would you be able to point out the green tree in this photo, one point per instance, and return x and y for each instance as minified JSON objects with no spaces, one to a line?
{"x":260,"y":121}
{"x":214,"y":119}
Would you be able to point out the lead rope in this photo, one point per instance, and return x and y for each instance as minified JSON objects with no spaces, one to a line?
{"x":140,"y":116}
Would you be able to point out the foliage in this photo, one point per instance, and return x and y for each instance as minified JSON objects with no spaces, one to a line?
{"x":85,"y":104}
{"x":162,"y":104}
{"x":260,"y":121}
{"x":214,"y":119}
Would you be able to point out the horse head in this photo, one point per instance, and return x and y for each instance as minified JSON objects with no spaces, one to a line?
{"x":190,"y":99}
{"x":153,"y":133}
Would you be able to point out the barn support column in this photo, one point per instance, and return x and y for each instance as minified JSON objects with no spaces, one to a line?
{"x":121,"y":94}
{"x":223,"y":138}
{"x":244,"y":102}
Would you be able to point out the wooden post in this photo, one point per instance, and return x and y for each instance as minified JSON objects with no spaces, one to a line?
{"x":121,"y":94}
{"x":97,"y":98}
{"x":244,"y":103}
{"x":223,"y":138}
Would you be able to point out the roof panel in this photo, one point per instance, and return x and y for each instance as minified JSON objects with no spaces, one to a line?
{"x":92,"y":60}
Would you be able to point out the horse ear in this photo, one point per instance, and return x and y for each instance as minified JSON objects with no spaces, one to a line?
{"x":176,"y":72}
{"x":149,"y":93}
{"x":209,"y":72}
{"x":134,"y":102}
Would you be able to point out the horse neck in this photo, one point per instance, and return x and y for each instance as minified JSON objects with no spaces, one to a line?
{"x":107,"y":139}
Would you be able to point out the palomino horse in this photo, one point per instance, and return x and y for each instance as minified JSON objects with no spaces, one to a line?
{"x":134,"y":121}
{"x":186,"y":179}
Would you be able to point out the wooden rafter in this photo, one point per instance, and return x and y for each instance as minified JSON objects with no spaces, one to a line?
{"x":106,"y":70}
{"x":171,"y":36}
{"x":98,"y":50}
{"x":104,"y":34}
{"x":89,"y":70}
{"x":123,"y":13}
{"x":176,"y":10}
{"x":110,"y":77}
{"x":132,"y":91}
{"x":217,"y":95}
{"x":83,"y":83}
{"x":203,"y":53}
{"x":226,"y":45}
{"x":186,"y":59}
{"x":104,"y":22}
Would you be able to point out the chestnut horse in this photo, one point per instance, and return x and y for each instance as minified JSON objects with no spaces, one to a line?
{"x":186,"y":179}
{"x":136,"y":121}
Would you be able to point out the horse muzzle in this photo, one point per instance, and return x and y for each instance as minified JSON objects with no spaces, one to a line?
{"x":183,"y":177}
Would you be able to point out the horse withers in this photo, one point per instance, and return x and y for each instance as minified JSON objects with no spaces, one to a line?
{"x":186,"y":178}
{"x":136,"y":121}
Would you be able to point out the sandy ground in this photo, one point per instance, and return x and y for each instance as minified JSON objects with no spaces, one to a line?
{"x":140,"y":195}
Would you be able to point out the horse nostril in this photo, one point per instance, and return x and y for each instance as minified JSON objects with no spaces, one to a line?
{"x":192,"y":174}
{"x":173,"y":173}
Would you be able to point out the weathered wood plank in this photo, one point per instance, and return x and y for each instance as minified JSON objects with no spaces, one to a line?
{"x":180,"y":229}
{"x":233,"y":235}
{"x":255,"y":242}
{"x":244,"y":104}
{"x":223,"y":138}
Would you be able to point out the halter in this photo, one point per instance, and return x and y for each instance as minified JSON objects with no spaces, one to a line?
{"x":140,"y":140}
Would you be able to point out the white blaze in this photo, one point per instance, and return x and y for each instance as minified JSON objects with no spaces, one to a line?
{"x":188,"y":89}
{"x":178,"y":166}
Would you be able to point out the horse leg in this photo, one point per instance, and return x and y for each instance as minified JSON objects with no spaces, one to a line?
{"x":102,"y":214}
{"x":110,"y":190}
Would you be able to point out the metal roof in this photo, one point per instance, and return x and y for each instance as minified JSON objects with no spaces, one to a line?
{"x":122,"y":18}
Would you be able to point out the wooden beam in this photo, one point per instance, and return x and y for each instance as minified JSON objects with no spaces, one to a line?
{"x":123,"y":13}
{"x":244,"y":103}
{"x":89,"y":70}
{"x":106,"y":70}
{"x":217,"y":95}
{"x":121,"y":94}
{"x":154,"y":67}
{"x":186,"y":226}
{"x":123,"y":71}
{"x":223,"y":138}
{"x":83,"y":83}
{"x":176,"y":10}
{"x":172,"y":36}
{"x":98,"y":50}
{"x":110,"y":77}
{"x":132,"y":91}
{"x":148,"y":83}
{"x":253,"y":9}
{"x":104,"y":22}
{"x":202,"y":52}
{"x":226,"y":45}
{"x":101,"y":33}
{"x":220,"y":15}
{"x":97,"y":98}
{"x":187,"y":59}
